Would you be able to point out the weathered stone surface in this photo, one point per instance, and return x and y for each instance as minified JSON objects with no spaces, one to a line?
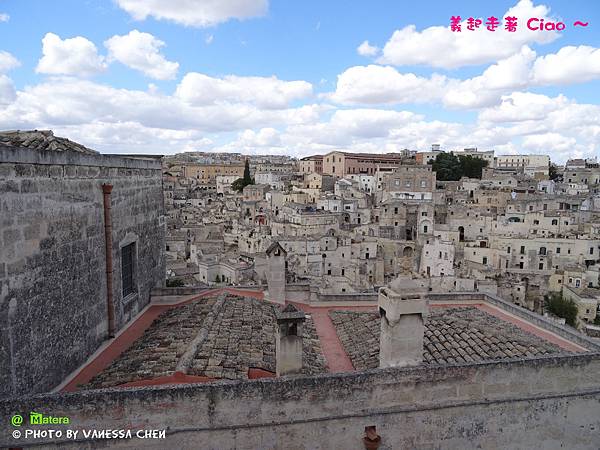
{"x":53,"y":255}
{"x":42,"y":140}
{"x":452,"y":335}
{"x":243,"y":337}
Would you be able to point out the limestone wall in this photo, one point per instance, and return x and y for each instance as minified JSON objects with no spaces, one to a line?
{"x":53,"y":312}
{"x":549,"y":402}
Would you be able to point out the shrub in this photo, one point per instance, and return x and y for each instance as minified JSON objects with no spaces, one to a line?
{"x":561,"y":307}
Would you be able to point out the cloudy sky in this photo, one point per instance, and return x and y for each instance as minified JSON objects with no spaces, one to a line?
{"x":301,"y":77}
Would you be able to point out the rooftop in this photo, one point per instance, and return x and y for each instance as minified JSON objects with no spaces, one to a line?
{"x":453,"y":335}
{"x":230,"y":333}
{"x":43,"y":140}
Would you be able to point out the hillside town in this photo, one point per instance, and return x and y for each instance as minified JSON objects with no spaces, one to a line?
{"x":376,"y":299}
{"x":521,"y":228}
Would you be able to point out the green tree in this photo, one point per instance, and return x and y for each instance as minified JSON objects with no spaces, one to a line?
{"x":471,"y":166}
{"x":175,"y":282}
{"x":239,"y":184}
{"x":561,"y":307}
{"x":247,"y":178}
{"x":553,"y":173}
{"x":447,"y":167}
{"x":451,"y":167}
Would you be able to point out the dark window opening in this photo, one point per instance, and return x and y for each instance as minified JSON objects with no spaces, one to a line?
{"x":127,"y":266}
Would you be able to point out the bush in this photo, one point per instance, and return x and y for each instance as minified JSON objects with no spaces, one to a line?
{"x":561,"y":307}
{"x":175,"y":282}
{"x":451,"y":167}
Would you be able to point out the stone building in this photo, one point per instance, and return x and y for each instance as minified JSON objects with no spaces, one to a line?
{"x":338,"y":164}
{"x":61,"y":296}
{"x":207,"y":173}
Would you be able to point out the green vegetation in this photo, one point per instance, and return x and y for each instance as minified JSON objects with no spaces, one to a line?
{"x":239,"y":184}
{"x":451,"y":167}
{"x":553,"y":173}
{"x":561,"y":307}
{"x":175,"y":282}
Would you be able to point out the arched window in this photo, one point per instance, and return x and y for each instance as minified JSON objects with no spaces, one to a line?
{"x":542,"y":250}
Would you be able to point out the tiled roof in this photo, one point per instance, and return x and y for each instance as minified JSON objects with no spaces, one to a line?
{"x":156,"y":353}
{"x":243,"y":337}
{"x":452,"y":335}
{"x":43,"y":140}
{"x":240,"y":335}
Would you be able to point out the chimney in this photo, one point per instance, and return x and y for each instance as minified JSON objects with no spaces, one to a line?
{"x":289,"y":344}
{"x":403,"y":309}
{"x":276,"y":273}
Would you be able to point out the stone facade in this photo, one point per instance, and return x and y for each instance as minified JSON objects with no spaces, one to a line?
{"x":53,"y":306}
{"x":545,"y":402}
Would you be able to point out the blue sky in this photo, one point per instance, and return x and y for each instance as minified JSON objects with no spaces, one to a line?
{"x":262,"y":76}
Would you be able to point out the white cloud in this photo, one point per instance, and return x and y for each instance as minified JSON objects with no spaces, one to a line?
{"x":366,"y":49}
{"x":141,"y":51}
{"x":265,"y":92}
{"x":376,"y":84}
{"x":209,"y":39}
{"x":193,"y":12}
{"x":73,"y":102}
{"x":7,"y":90}
{"x":569,"y":65}
{"x":75,"y":56}
{"x":549,"y":142}
{"x":385,"y":85}
{"x":485,"y":90}
{"x":4,"y":17}
{"x":522,"y":106}
{"x":265,"y":137}
{"x":439,"y":47}
{"x":8,"y":62}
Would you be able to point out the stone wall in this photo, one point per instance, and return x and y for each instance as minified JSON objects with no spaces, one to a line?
{"x":546,"y":402}
{"x":53,"y":311}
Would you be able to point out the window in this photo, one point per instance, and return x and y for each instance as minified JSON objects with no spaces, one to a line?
{"x":541,"y":266}
{"x":557,"y":250}
{"x":484,"y":260}
{"x":522,"y":249}
{"x":424,"y":228}
{"x":591,"y":250}
{"x":554,"y":222}
{"x":127,"y":266}
{"x":542,"y":250}
{"x":536,"y":222}
{"x":577,"y":282}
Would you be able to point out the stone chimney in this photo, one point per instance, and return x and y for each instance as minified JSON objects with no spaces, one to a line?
{"x":276,"y":273}
{"x":403,"y":309}
{"x":289,"y":344}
